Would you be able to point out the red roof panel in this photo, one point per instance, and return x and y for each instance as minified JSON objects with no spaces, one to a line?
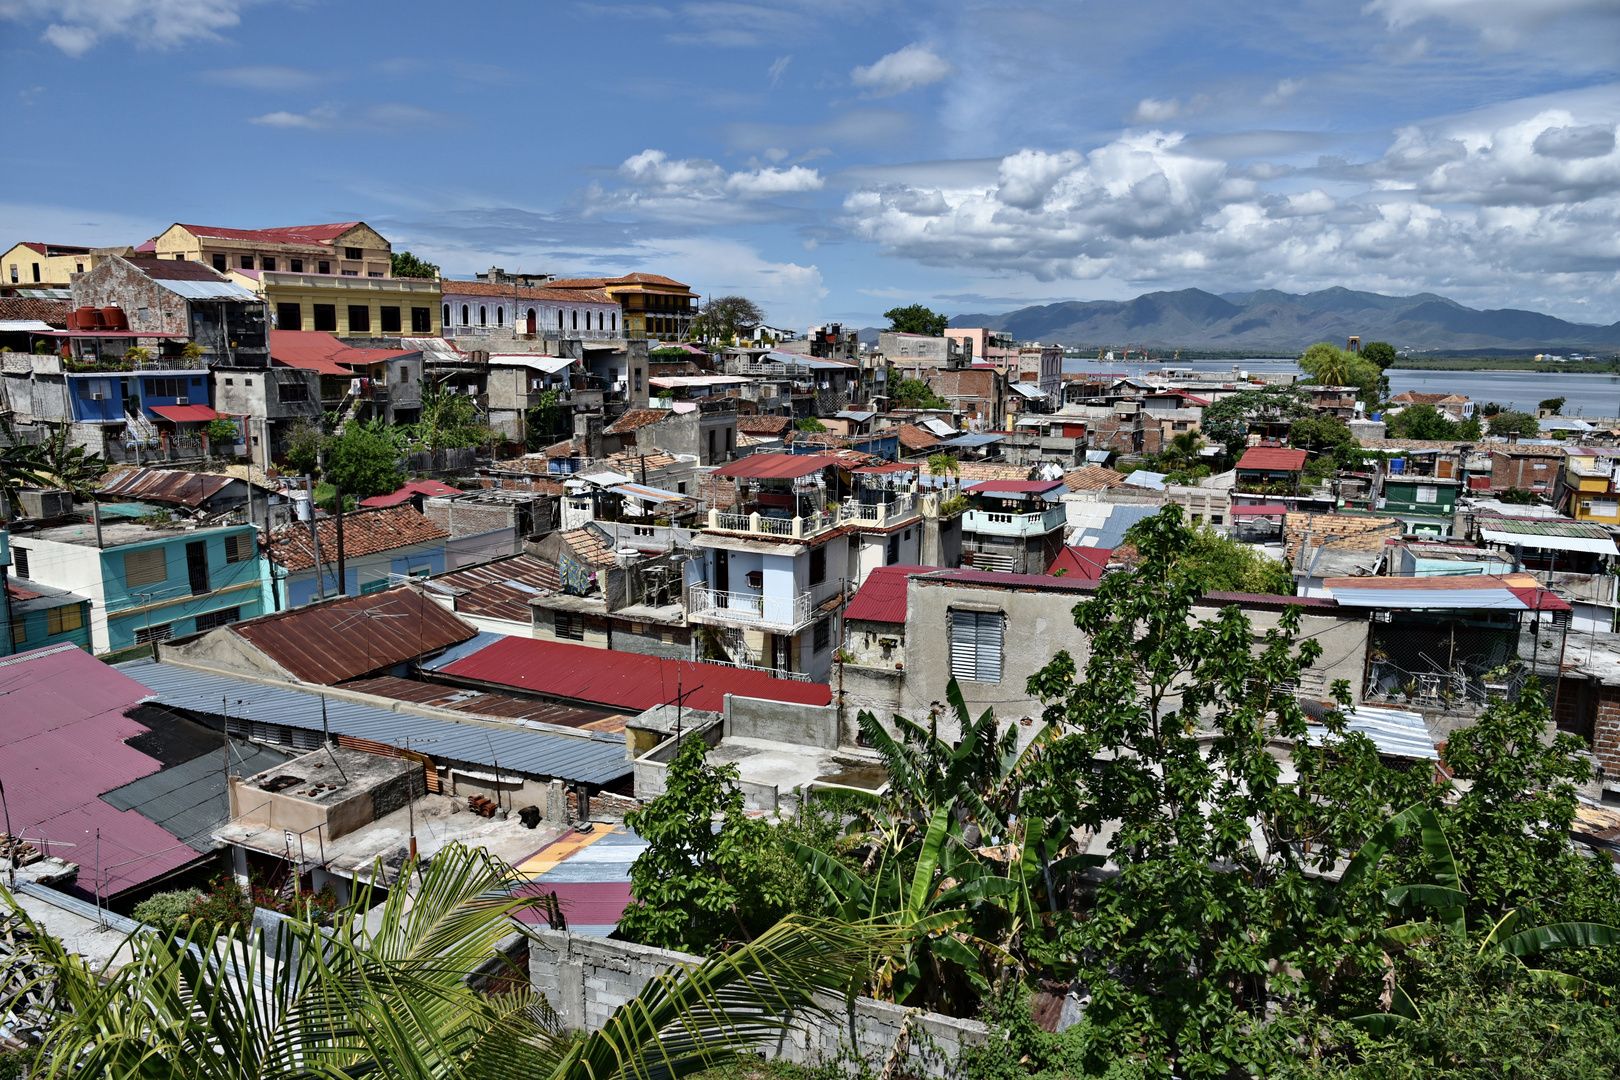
{"x":776,"y":466}
{"x":323,"y":352}
{"x":1085,"y":563}
{"x":622,"y":680}
{"x":1274,"y":458}
{"x":1014,"y":487}
{"x":186,"y":414}
{"x":294,"y":234}
{"x":410,"y":490}
{"x":882,"y":596}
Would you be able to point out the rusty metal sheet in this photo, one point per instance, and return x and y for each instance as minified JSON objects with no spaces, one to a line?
{"x":344,"y":639}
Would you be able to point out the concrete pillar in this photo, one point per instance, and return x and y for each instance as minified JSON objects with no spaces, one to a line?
{"x":714,"y":519}
{"x":753,"y":522}
{"x":557,"y":802}
{"x":798,"y":528}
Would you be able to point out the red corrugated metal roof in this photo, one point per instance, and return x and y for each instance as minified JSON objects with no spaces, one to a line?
{"x":323,"y":352}
{"x":776,"y":466}
{"x":293,"y":234}
{"x":622,"y":680}
{"x":410,"y":490}
{"x":882,"y":596}
{"x":63,"y":744}
{"x":1085,"y":563}
{"x":1014,"y":487}
{"x":897,"y":466}
{"x":1273,"y":458}
{"x":186,"y":414}
{"x":1262,"y":510}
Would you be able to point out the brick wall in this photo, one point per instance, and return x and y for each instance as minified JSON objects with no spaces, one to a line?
{"x":1520,"y":470}
{"x":1606,"y":731}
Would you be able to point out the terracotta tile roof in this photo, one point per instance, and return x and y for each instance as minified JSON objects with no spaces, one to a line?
{"x":1413,"y":398}
{"x":633,"y":461}
{"x":1350,"y":532}
{"x":1413,"y":444}
{"x":524,"y":292}
{"x":1092,"y":478}
{"x":174,"y":269}
{"x":1273,"y":458}
{"x":323,"y":235}
{"x":52,"y":312}
{"x":972,"y":472}
{"x":913,"y":437}
{"x":590,"y":545}
{"x":626,"y":279}
{"x":636,"y":418}
{"x":764,"y":425}
{"x":571,"y":448}
{"x":365,"y":532}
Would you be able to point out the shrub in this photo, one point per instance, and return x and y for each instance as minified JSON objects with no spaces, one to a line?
{"x":167,"y":910}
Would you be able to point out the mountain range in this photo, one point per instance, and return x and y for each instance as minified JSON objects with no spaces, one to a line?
{"x":1286,"y":323}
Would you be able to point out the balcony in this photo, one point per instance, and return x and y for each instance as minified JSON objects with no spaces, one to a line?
{"x":996,"y":523}
{"x":804,"y":526}
{"x":778,"y":614}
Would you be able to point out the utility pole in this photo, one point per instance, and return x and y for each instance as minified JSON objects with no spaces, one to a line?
{"x":343,"y":579}
{"x":314,"y":540}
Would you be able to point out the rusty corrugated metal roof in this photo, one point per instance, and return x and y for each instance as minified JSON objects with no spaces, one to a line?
{"x":344,"y":639}
{"x":479,"y":703}
{"x":500,"y":589}
{"x":166,"y":485}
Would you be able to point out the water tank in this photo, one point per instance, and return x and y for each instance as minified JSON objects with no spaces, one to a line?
{"x":300,"y":501}
{"x":88,"y":318}
{"x":113,"y":318}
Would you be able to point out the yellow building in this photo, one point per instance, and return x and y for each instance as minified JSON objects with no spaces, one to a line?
{"x":1589,"y":480}
{"x":343,"y":249}
{"x":43,"y":266}
{"x":652,"y":306}
{"x":347,"y":306}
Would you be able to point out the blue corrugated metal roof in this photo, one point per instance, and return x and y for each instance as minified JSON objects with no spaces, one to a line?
{"x":1394,"y":731}
{"x":1111,"y":533}
{"x":529,"y":747}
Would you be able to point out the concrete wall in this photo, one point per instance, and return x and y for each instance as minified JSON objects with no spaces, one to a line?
{"x":866,"y":689}
{"x":781,"y":721}
{"x":586,"y":978}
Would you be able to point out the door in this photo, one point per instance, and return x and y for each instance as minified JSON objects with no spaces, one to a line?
{"x":197,"y":566}
{"x":722,"y":570}
{"x":531,"y":321}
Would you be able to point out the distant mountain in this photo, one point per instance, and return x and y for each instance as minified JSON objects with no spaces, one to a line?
{"x":1285,"y":323}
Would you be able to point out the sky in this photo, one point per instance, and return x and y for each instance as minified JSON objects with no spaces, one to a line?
{"x":832,"y":159}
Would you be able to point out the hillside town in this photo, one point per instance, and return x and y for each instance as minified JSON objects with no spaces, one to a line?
{"x":319,"y":566}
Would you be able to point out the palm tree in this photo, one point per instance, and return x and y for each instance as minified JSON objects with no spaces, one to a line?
{"x":20,"y":465}
{"x":386,"y":993}
{"x":1184,"y":447}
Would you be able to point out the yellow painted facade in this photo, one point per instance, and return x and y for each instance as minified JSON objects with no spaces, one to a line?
{"x":354,"y":250}
{"x":347,"y":306}
{"x":26,"y":267}
{"x":1592,"y":495}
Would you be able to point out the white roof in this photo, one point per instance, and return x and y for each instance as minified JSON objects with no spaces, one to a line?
{"x":1397,"y":732}
{"x":938,"y":427}
{"x":25,"y":326}
{"x":550,"y":364}
{"x":1547,"y":541}
{"x":672,"y":381}
{"x":1029,"y":390}
{"x":207,"y":290}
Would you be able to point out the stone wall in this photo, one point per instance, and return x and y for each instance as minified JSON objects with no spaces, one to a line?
{"x":586,"y":978}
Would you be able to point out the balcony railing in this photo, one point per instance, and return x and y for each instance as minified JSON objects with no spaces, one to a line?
{"x":1007,"y":524}
{"x":808,"y":525}
{"x":775,"y":673}
{"x":784,"y":613}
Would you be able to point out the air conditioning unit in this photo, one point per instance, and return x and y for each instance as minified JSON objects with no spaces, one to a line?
{"x":182,"y":401}
{"x":97,"y":397}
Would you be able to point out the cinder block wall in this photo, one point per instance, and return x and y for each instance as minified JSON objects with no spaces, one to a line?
{"x":586,"y":978}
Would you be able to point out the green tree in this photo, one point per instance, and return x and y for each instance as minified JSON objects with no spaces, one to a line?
{"x":409,"y":266}
{"x":450,"y":421}
{"x":722,"y":318}
{"x":1381,"y":353}
{"x":383,"y":991}
{"x":222,"y":431}
{"x":70,"y":466}
{"x":917,"y":319}
{"x":364,"y":460}
{"x":1490,"y":409}
{"x":1423,"y":422}
{"x":810,"y":423}
{"x":306,"y":442}
{"x":1329,"y":365}
{"x":1227,"y":420}
{"x":915,"y":394}
{"x":1505,"y":423}
{"x":697,"y":887}
{"x":543,"y":420}
{"x":1554,"y":405}
{"x":1182,"y":451}
{"x":943,"y":464}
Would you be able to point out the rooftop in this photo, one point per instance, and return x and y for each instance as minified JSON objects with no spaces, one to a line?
{"x":365,"y":532}
{"x":496,"y":590}
{"x":320,"y":351}
{"x":116,"y":533}
{"x":775,"y":466}
{"x":342,"y":639}
{"x":882,"y":596}
{"x":408,"y":491}
{"x":323,"y":235}
{"x":482,"y":703}
{"x":165,"y":485}
{"x":451,"y":287}
{"x":1092,"y":478}
{"x":1273,"y":458}
{"x":1474,"y":592}
{"x":636,"y":418}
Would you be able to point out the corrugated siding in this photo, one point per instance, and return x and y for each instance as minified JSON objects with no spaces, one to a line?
{"x":976,"y":645}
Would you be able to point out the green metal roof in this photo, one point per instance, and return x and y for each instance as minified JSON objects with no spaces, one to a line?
{"x":1575,"y":530}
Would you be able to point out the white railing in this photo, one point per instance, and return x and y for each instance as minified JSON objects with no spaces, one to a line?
{"x":775,"y":673}
{"x":751,"y":609}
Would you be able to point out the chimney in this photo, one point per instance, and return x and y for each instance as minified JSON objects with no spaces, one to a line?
{"x":1513,"y":437}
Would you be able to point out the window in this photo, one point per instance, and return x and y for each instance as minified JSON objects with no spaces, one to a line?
{"x":1606,"y":508}
{"x":1428,"y":493}
{"x":893,"y":555}
{"x":446,"y":314}
{"x":246,"y":262}
{"x":247,"y":382}
{"x":568,"y":625}
{"x":500,"y":316}
{"x":220,"y":263}
{"x":19,"y":561}
{"x":823,"y":636}
{"x":373,"y":586}
{"x":976,"y":645}
{"x":464,"y":315}
{"x":208,"y":620}
{"x":238,"y":547}
{"x":146,"y":635}
{"x":353,"y":254}
{"x":19,"y":630}
{"x":483,"y":315}
{"x":615,"y":320}
{"x":374,"y":273}
{"x":388,"y":319}
{"x":168,"y":388}
{"x":359,"y":319}
{"x":638,"y":380}
{"x":351,"y":273}
{"x":323,"y":268}
{"x":680,"y":487}
{"x":404,"y":373}
{"x":818,"y":565}
{"x":146,"y":567}
{"x":297,"y":265}
{"x":36,"y":272}
{"x":421,"y":320}
{"x":326,"y":317}
{"x":576,"y":316}
{"x":267,"y":263}
{"x":289,"y":317}
{"x":197,"y":566}
{"x":1217,"y":519}
{"x":711,"y":447}
{"x":14,"y":278}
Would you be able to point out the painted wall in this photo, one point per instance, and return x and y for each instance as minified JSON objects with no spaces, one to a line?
{"x":299,"y":588}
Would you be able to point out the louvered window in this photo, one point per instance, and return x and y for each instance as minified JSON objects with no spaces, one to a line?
{"x":976,"y":645}
{"x":145,"y":567}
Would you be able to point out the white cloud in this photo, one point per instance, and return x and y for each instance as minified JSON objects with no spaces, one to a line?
{"x":696,"y":191}
{"x":766,"y":182}
{"x":1285,"y":89}
{"x":1500,"y":23}
{"x":907,"y":69}
{"x":76,"y":26}
{"x":1155,"y":110}
{"x":373,"y":116}
{"x":779,"y":67}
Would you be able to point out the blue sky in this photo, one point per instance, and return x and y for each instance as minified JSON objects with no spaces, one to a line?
{"x":834,"y":158}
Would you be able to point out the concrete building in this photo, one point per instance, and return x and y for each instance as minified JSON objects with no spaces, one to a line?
{"x":343,"y":249}
{"x":351,"y":307}
{"x":378,"y":545}
{"x":164,"y":306}
{"x":507,"y":317}
{"x":355,"y":383}
{"x":268,"y":404}
{"x":1532,"y":468}
{"x":1587,"y":489}
{"x":144,"y":583}
{"x":46,"y":266}
{"x":1014,"y":526}
{"x":650,"y":305}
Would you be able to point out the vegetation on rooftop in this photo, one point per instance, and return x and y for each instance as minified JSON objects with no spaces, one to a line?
{"x":917,"y":319}
{"x":914,"y":394}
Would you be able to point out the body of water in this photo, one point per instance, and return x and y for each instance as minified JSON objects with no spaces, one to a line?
{"x":1587,"y":395}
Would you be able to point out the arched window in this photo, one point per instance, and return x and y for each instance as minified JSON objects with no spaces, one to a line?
{"x":559,"y":319}
{"x":483,"y":315}
{"x":576,"y":318}
{"x":447,"y":314}
{"x":464,"y":320}
{"x":500,"y":316}
{"x":615,"y":322}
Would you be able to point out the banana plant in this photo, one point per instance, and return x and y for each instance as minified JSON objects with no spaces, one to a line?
{"x":933,"y":909}
{"x":1446,"y":897}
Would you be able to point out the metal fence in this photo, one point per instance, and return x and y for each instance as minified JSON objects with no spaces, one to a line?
{"x":1460,"y":664}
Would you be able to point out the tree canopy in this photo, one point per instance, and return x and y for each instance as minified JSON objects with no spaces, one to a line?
{"x":917,"y":319}
{"x":915,"y":394}
{"x":722,"y":318}
{"x":1506,"y":423}
{"x":1381,"y":353}
{"x":1424,"y":421}
{"x":407,"y":265}
{"x":1227,"y":420}
{"x":1329,"y":365}
{"x":364,"y":460}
